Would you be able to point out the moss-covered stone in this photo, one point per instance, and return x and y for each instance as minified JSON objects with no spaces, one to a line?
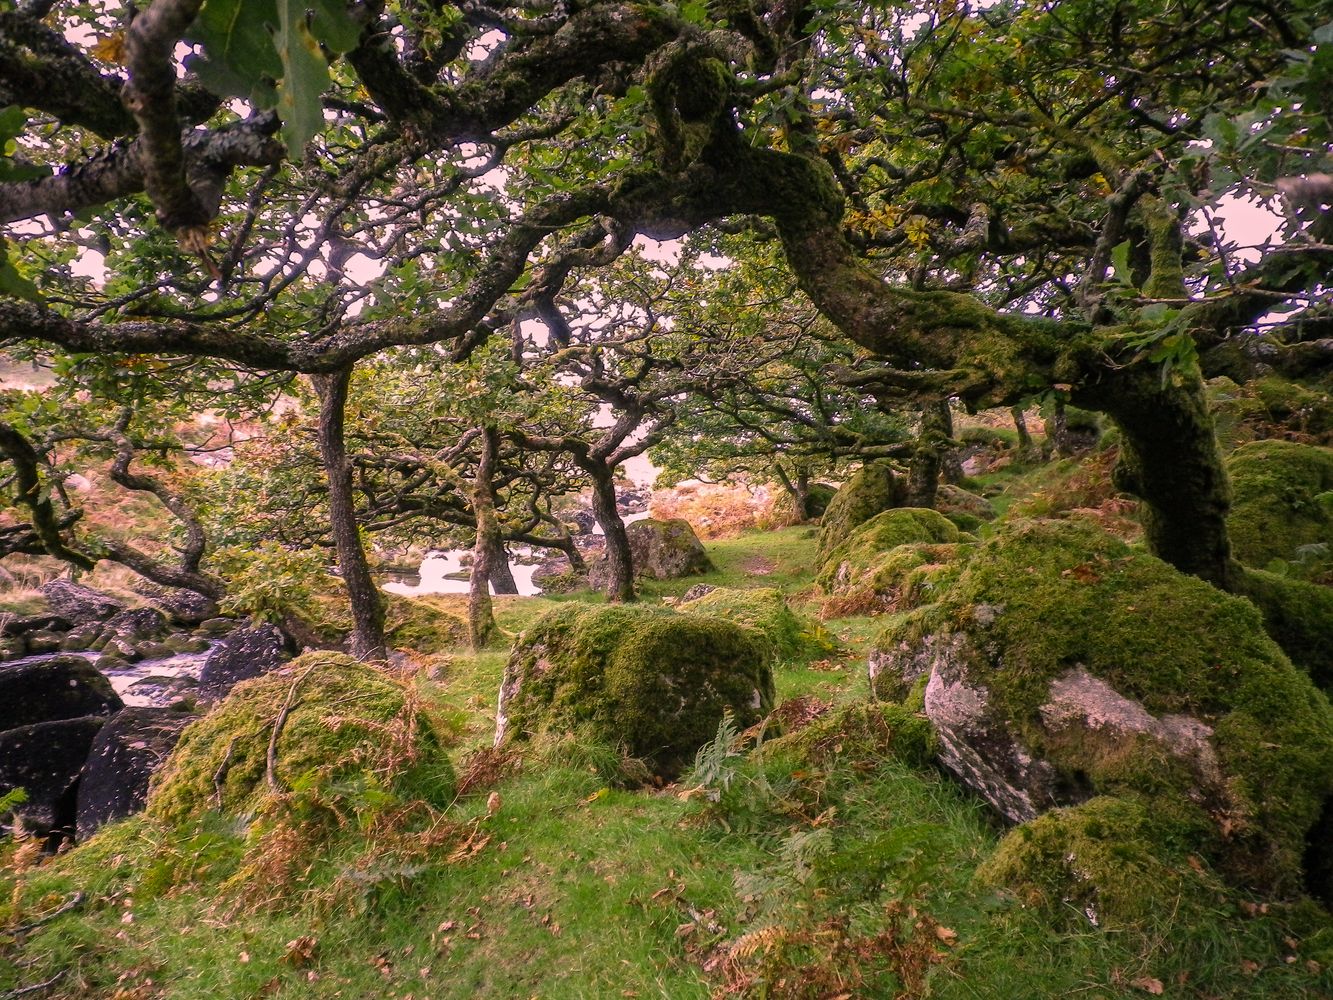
{"x":1119,"y":863}
{"x":1299,"y":618}
{"x":417,"y":625}
{"x":1282,"y":507}
{"x":871,"y":490}
{"x":344,"y":721}
{"x":652,"y":680}
{"x":788,"y":635}
{"x":892,"y":556}
{"x":1269,"y":408}
{"x":1218,"y":716}
{"x":859,"y":733}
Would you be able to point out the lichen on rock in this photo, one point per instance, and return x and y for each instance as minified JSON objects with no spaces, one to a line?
{"x":651,"y":680}
{"x":1063,"y":664}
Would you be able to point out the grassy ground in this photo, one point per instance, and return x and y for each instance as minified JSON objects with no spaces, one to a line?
{"x":835,"y":864}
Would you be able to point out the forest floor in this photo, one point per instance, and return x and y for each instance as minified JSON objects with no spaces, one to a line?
{"x":846,"y":871}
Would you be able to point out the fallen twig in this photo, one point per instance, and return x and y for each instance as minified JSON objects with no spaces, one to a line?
{"x":23,"y":991}
{"x":271,"y":772}
{"x":72,"y":903}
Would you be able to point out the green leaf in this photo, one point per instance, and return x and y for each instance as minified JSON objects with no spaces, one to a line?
{"x":305,"y":77}
{"x":239,"y":58}
{"x":1120,"y":261}
{"x":12,"y":283}
{"x":333,"y":27}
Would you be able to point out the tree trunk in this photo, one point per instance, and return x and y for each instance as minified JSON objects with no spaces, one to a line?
{"x":481,"y":626}
{"x":1170,"y":459}
{"x":933,"y":440}
{"x":1025,"y":448}
{"x":619,"y":563}
{"x":502,"y":577}
{"x":367,"y":639}
{"x":1057,"y":432}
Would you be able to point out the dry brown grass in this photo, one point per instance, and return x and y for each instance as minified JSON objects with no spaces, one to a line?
{"x":718,"y":510}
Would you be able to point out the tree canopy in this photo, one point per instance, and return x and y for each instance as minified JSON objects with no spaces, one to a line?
{"x":986,"y":201}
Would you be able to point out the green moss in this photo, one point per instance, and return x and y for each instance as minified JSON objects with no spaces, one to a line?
{"x":346,"y":722}
{"x":871,"y":490}
{"x":1298,"y":616}
{"x":788,"y":635}
{"x":1282,"y":507}
{"x":1042,"y":597}
{"x":1269,"y":408}
{"x":417,"y":625}
{"x":1117,"y":862}
{"x":860,"y":559}
{"x":861,"y":732}
{"x":652,"y":680}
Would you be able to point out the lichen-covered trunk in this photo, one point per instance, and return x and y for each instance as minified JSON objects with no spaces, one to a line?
{"x":1025,"y":447}
{"x":1170,"y":460}
{"x":1057,"y":431}
{"x":933,"y":442}
{"x":619,"y":562}
{"x":367,"y":640}
{"x":481,"y":627}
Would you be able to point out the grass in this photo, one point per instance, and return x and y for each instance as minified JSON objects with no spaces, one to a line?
{"x":851,"y":871}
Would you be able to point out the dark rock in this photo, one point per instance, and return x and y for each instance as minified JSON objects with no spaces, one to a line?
{"x":12,"y":648}
{"x":558,"y":576}
{"x":150,"y":650}
{"x":59,"y":687}
{"x":79,"y":603}
{"x":42,"y":641}
{"x":185,"y":607}
{"x":31,"y":623}
{"x":137,"y":625}
{"x":246,"y":653}
{"x":125,"y":753}
{"x":582,"y":521}
{"x":215,"y":628}
{"x":45,"y":760}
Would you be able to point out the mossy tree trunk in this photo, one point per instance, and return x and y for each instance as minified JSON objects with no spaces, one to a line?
{"x":1025,"y":446}
{"x":619,"y":562}
{"x":1057,"y":431}
{"x":933,"y":441}
{"x":481,"y":625}
{"x":1170,"y":459}
{"x":367,"y":641}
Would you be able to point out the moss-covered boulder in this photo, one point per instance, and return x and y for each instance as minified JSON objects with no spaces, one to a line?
{"x":788,"y":635}
{"x":965,"y":509}
{"x":893,"y":561}
{"x":660,"y":550}
{"x":420,"y":626}
{"x":651,"y":680}
{"x":1282,"y":507}
{"x":1062,"y":664}
{"x":871,"y":490}
{"x":1269,"y":408}
{"x":1117,"y":863}
{"x":338,"y":721}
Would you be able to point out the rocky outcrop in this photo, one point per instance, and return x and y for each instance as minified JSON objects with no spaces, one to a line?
{"x":123,"y":756}
{"x":660,"y":550}
{"x":59,"y":687}
{"x":45,"y":760}
{"x":1061,"y":665}
{"x":870,"y":491}
{"x":78,"y":603}
{"x":245,"y":653}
